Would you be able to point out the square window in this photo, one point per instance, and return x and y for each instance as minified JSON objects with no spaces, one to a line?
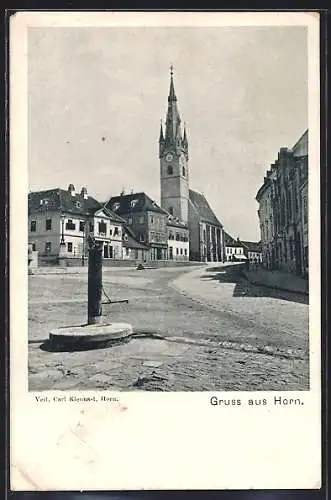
{"x":33,"y":226}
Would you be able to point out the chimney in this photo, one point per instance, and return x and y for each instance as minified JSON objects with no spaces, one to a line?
{"x":71,"y":189}
{"x":84,"y":193}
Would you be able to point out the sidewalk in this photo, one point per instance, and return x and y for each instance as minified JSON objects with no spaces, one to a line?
{"x":278,"y":280}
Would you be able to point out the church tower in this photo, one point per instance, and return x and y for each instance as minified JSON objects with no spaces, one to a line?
{"x":173,"y":154}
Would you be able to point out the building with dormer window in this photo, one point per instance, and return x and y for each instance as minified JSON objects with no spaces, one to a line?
{"x":146,"y":220}
{"x":61,"y":221}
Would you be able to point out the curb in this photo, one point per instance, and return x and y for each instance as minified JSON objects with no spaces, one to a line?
{"x":274,"y":287}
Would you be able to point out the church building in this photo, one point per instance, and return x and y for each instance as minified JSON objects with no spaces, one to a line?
{"x":190,"y":208}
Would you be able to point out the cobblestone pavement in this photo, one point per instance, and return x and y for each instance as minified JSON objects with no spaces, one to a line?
{"x":195,"y":329}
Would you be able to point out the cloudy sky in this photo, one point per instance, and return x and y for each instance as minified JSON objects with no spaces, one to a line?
{"x":96,"y":97}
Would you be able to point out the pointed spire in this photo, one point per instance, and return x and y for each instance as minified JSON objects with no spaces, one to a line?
{"x":172,"y":95}
{"x":185,"y":143}
{"x":161,"y":138}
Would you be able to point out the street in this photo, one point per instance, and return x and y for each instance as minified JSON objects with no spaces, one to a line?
{"x":196,"y":329}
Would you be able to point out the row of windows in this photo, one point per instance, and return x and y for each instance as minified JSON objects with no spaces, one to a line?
{"x":177,"y":236}
{"x":33,"y":225}
{"x":139,"y":220}
{"x":157,"y":237}
{"x":234,"y":250}
{"x":71,"y":226}
{"x":179,"y":251}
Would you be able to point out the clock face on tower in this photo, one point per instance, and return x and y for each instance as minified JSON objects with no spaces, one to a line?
{"x":169,"y":157}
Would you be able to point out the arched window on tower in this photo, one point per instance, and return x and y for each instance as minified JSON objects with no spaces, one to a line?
{"x":170,"y":170}
{"x":184,"y":172}
{"x":171,"y":211}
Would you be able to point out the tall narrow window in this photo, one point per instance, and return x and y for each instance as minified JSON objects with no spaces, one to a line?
{"x":171,"y":211}
{"x":102,"y":228}
{"x":184,"y":171}
{"x":70,"y":247}
{"x":33,"y":226}
{"x":48,"y":224}
{"x":170,"y":170}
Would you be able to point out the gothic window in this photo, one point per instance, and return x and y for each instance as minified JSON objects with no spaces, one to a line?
{"x":170,"y":170}
{"x":184,"y":171}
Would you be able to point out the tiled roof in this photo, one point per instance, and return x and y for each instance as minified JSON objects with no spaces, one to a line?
{"x":131,"y":241}
{"x":252,"y":246}
{"x":61,"y":200}
{"x":203,"y":208}
{"x":134,"y":202}
{"x":228,"y":238}
{"x":173,"y":222}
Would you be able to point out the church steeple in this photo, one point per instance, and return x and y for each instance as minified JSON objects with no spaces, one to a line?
{"x":172,"y":94}
{"x":173,"y":136}
{"x":185,"y":142}
{"x":173,"y":154}
{"x":161,"y":141}
{"x":161,"y":138}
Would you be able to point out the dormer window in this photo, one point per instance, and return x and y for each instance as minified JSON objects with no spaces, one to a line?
{"x":78,"y":205}
{"x":116,"y":206}
{"x":133,"y":203}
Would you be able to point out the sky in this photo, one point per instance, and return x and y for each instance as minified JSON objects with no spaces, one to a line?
{"x":96,"y":96}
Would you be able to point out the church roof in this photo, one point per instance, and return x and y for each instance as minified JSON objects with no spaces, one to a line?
{"x":61,"y":200}
{"x":203,"y":208}
{"x":134,"y":202}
